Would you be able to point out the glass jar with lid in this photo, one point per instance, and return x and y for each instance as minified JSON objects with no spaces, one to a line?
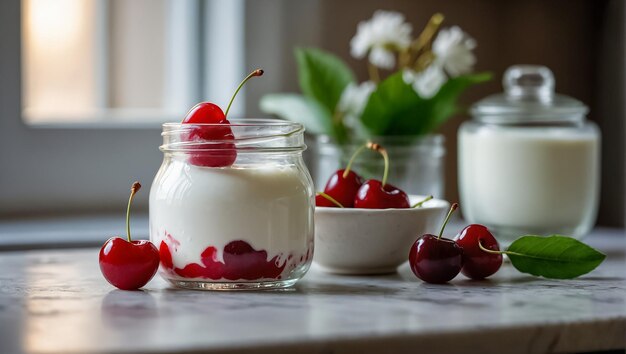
{"x":234,"y":211}
{"x":529,"y":162}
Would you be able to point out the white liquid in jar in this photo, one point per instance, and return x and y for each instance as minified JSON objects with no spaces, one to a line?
{"x":269,"y":207}
{"x":534,"y":180}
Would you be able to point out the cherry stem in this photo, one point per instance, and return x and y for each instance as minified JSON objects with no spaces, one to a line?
{"x":419,"y":204}
{"x":330,"y":199}
{"x":445,"y":222}
{"x":133,"y":190}
{"x":257,"y":72}
{"x":382,"y":151}
{"x":356,"y":153}
{"x":373,"y":72}
{"x":483,"y":248}
{"x":425,"y":38}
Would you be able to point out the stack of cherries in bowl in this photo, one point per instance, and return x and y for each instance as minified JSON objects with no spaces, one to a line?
{"x":346,"y":189}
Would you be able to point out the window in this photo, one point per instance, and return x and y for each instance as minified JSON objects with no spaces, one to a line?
{"x":79,"y":149}
{"x":127,"y":61}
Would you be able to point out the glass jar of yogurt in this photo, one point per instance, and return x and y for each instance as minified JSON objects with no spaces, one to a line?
{"x":234,"y":213}
{"x":529,"y":162}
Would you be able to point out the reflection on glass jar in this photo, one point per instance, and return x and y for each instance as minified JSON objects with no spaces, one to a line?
{"x":529,"y":163}
{"x":244,"y":225}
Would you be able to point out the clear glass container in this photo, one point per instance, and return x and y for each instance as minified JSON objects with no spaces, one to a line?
{"x":529,"y":162}
{"x":416,"y":165}
{"x":234,"y":212}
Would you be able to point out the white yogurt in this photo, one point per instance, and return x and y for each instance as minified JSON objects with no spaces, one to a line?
{"x":522,"y":179}
{"x":269,"y":207}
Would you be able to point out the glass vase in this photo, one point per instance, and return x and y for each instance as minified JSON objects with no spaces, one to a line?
{"x":416,"y":164}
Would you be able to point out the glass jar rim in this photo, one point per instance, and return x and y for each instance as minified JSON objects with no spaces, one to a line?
{"x":243,"y":122}
{"x":244,"y":135}
{"x":425,"y":139}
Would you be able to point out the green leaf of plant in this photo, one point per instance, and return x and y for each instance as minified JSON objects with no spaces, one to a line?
{"x":297,"y":108}
{"x":396,"y":109}
{"x":444,"y":103}
{"x":322,"y":76}
{"x":556,"y":257}
{"x":392,"y":101}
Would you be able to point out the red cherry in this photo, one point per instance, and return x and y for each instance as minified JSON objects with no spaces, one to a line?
{"x":342,"y":186}
{"x":478,"y":264}
{"x":128,"y":264}
{"x":435,"y":259}
{"x":220,"y":152}
{"x":204,"y":112}
{"x":324,"y":200}
{"x":320,"y":201}
{"x":373,"y":195}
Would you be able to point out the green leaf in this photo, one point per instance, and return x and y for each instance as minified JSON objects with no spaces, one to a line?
{"x":322,"y":76}
{"x":396,"y":109}
{"x":444,"y":103}
{"x":392,"y":101}
{"x":556,"y":257}
{"x":297,"y":108}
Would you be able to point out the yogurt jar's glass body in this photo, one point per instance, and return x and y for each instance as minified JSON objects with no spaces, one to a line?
{"x":246,"y":224}
{"x":529,"y":163}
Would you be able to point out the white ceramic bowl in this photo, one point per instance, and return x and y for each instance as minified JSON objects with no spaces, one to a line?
{"x":372,"y":241}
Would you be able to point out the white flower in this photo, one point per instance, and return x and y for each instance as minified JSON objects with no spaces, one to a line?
{"x":453,"y":50}
{"x":352,"y":103}
{"x":426,"y":83}
{"x":385,"y":31}
{"x":355,"y":125}
{"x":354,"y":98}
{"x":382,"y":58}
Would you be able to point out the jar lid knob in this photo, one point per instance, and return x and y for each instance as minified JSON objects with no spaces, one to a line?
{"x":529,"y":82}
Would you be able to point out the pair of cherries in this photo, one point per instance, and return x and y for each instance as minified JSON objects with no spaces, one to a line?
{"x":129,"y":264}
{"x":346,"y":189}
{"x":474,"y":252}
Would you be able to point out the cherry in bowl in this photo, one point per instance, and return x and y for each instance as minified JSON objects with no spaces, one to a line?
{"x":342,"y":186}
{"x":375,"y":194}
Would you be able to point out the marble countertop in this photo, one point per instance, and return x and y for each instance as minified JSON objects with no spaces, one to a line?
{"x":56,"y":301}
